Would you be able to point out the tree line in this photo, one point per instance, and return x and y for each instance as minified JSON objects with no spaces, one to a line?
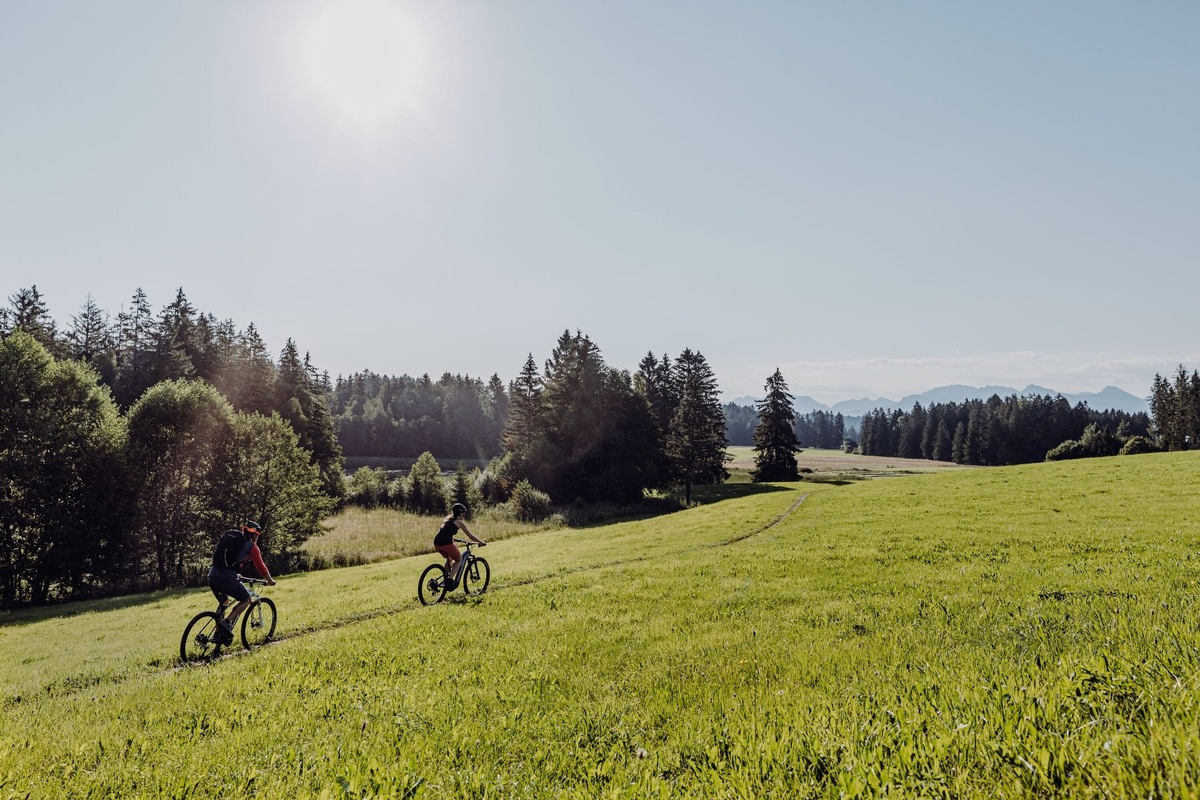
{"x":137,"y":349}
{"x":1018,"y":429}
{"x":573,"y":430}
{"x":1175,"y":406}
{"x":455,"y":416}
{"x":1000,"y":431}
{"x":825,"y":430}
{"x":97,"y":501}
{"x":126,"y":446}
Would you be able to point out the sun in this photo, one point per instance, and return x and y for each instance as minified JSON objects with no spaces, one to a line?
{"x":365,"y":59}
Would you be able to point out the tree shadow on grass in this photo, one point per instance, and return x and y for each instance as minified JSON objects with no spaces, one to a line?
{"x":705,"y":495}
{"x":27,"y":615}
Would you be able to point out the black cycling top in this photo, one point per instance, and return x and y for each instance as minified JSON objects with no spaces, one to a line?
{"x":445,"y":534}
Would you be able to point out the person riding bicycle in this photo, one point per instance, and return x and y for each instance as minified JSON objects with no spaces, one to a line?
{"x":235,"y":549}
{"x":443,"y":542}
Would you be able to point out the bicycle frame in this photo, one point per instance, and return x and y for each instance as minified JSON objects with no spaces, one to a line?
{"x":471,"y":571}
{"x":200,"y":636}
{"x":464,"y":563}
{"x":255,"y":597}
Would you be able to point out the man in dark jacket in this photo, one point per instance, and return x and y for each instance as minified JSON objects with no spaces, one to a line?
{"x":235,"y":549}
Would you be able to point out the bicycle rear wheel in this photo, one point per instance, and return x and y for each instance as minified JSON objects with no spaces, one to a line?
{"x":199,"y":642}
{"x":476,"y":576}
{"x":258,"y":623}
{"x":432,"y":587}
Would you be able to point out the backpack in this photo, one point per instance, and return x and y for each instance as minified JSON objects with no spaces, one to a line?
{"x":229,"y":550}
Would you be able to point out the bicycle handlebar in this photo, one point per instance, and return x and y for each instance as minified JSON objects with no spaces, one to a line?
{"x":246,"y":579}
{"x":469,"y":543}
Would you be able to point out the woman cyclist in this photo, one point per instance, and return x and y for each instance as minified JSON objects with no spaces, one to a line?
{"x":443,"y":542}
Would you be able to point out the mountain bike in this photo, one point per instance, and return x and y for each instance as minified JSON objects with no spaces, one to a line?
{"x":473,"y":571}
{"x":200,"y":641}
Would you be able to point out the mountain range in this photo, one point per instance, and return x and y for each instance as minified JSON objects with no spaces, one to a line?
{"x":1108,"y":398}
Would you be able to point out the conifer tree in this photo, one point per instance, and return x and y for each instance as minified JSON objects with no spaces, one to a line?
{"x":524,"y":409}
{"x":91,"y":340}
{"x":696,"y":437}
{"x":30,"y":313}
{"x":134,"y":350}
{"x":775,"y":442}
{"x":656,"y":382}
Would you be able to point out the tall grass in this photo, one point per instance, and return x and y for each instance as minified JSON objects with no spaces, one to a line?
{"x":359,"y":536}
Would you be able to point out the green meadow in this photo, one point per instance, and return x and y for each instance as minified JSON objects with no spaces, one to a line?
{"x":1018,"y":632}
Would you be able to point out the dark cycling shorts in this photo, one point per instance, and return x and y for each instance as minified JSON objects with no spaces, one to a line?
{"x":224,"y":582}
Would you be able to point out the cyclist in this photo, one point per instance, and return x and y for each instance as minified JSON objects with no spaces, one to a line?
{"x":235,"y":549}
{"x":443,"y":542}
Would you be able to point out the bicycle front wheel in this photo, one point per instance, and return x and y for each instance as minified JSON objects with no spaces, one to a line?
{"x":432,"y":587}
{"x":476,"y":577}
{"x":258,"y":623}
{"x":199,"y":642}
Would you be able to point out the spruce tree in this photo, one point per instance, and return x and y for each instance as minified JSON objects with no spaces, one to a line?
{"x":775,"y":442}
{"x":524,"y":409}
{"x":135,"y":349}
{"x":696,"y":437}
{"x":30,"y":313}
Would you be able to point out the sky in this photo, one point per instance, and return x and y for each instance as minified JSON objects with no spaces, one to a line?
{"x":874,"y":198}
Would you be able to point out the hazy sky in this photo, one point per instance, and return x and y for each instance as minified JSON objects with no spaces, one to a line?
{"x":878,"y":198}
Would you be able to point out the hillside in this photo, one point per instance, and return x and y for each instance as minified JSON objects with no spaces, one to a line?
{"x":971,"y":633}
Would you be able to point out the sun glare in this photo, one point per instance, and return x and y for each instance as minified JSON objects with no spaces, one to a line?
{"x":365,"y":59}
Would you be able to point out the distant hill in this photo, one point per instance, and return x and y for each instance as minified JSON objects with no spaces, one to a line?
{"x":1108,"y":398}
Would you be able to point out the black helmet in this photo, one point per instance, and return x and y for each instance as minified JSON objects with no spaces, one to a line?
{"x":458,"y":509}
{"x":251,"y":528}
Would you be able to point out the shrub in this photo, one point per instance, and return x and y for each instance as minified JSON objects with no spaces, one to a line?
{"x":529,"y":504}
{"x":1099,"y":441}
{"x":367,"y":487}
{"x":1067,"y":450}
{"x":1136,"y":445}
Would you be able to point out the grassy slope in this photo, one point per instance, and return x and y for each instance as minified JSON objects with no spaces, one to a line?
{"x":1009,"y":632}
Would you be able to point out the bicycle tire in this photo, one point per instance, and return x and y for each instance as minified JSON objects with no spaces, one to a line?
{"x":199,"y":642}
{"x":258,"y":623}
{"x":476,"y":576}
{"x":432,"y":587}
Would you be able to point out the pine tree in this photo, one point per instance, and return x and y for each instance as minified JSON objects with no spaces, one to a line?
{"x":91,"y":339}
{"x":29,"y":313}
{"x":655,"y":382}
{"x":175,"y":341}
{"x":775,"y":442}
{"x":497,"y":412}
{"x":696,"y":437}
{"x":524,"y":409}
{"x":252,"y":374}
{"x":134,"y":350}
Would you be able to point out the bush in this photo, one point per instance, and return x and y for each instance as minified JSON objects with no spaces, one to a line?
{"x":1095,"y":442}
{"x":529,"y":504}
{"x":1067,"y":450}
{"x":1136,"y":445}
{"x":367,"y":488}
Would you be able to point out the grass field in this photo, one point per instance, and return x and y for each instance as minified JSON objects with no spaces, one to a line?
{"x":1019,"y":632}
{"x":837,"y":463}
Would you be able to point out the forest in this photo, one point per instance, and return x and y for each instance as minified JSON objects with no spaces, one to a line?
{"x":127,"y":443}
